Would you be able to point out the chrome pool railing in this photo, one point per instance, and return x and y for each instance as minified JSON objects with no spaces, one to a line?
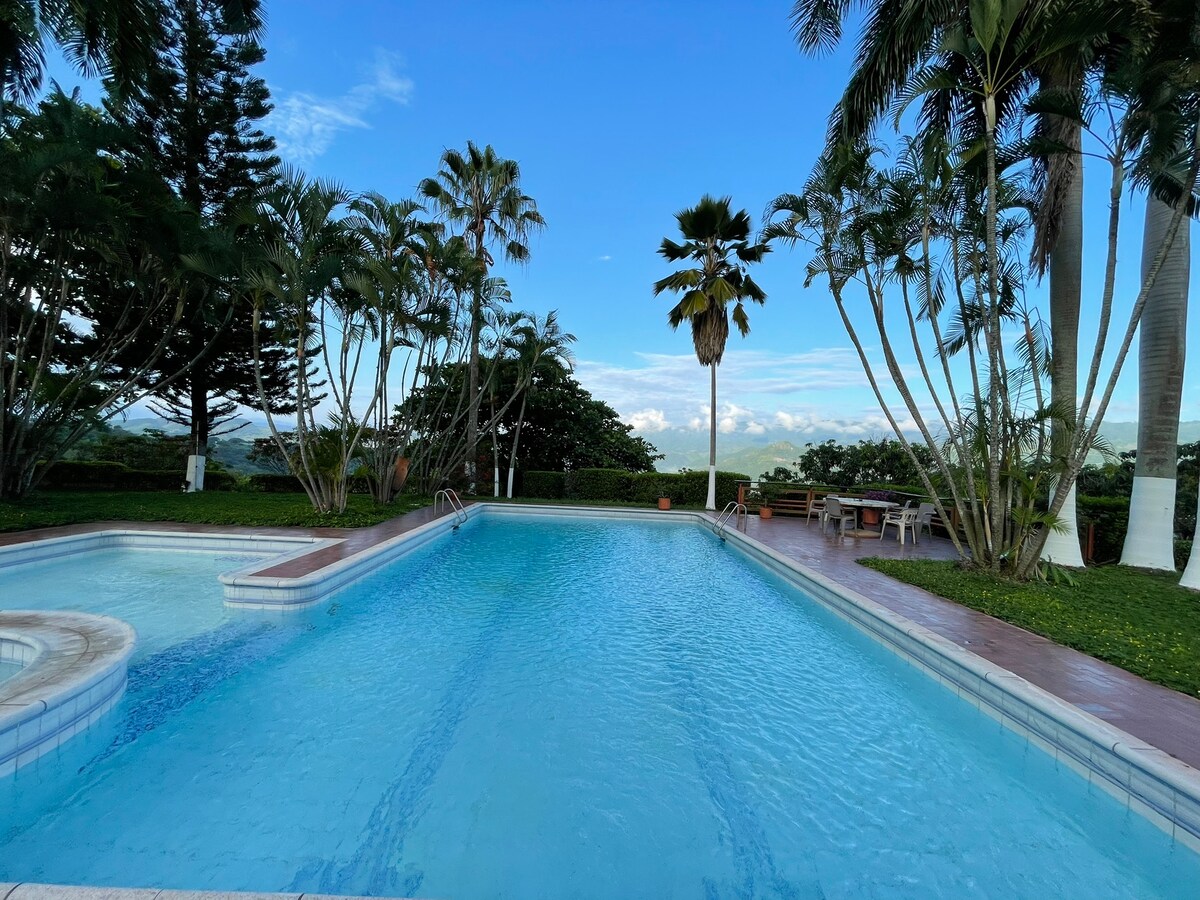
{"x":733,"y":510}
{"x":450,"y":498}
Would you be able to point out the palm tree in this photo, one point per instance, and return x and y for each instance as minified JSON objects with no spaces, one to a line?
{"x":718,"y":241}
{"x":481,"y":192}
{"x":1166,"y":85}
{"x":115,"y":38}
{"x":539,"y":345}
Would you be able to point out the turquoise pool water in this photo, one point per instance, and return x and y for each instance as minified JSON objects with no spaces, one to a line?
{"x":168,"y":596}
{"x":533,"y":707}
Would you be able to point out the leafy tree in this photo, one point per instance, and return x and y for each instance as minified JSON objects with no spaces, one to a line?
{"x":198,"y":114}
{"x":115,"y":38}
{"x":92,"y":250}
{"x":718,"y":242}
{"x":480,"y":192}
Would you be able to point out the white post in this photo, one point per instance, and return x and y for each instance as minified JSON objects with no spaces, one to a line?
{"x":195,"y":473}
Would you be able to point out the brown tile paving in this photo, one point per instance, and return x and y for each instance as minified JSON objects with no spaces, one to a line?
{"x":1164,"y":718}
{"x":1167,"y":719}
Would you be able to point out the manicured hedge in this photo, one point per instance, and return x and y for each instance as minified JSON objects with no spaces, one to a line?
{"x":619,"y":486}
{"x":272,"y":483}
{"x":73,"y":475}
{"x":543,"y":485}
{"x":599,"y":484}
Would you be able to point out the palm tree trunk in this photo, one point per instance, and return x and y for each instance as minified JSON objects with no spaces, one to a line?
{"x":473,"y":396}
{"x":1191,"y":573}
{"x":1149,"y":542}
{"x":1066,"y":283}
{"x":512,"y":457}
{"x":711,"y":502}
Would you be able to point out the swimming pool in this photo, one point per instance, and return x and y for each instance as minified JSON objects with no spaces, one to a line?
{"x":549,"y":707}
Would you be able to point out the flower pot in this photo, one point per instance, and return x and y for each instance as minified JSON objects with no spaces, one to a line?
{"x":765,"y":512}
{"x":664,"y":502}
{"x":870,"y":516}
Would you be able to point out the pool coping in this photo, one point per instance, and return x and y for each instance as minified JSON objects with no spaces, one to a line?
{"x":73,"y":671}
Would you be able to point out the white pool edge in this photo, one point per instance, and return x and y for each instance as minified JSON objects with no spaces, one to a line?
{"x":74,"y":669}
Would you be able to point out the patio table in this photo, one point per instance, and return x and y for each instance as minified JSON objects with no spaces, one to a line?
{"x":860,"y":503}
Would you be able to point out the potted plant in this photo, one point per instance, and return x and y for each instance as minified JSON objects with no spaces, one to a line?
{"x":766,"y":496}
{"x":664,"y":502}
{"x":871,"y":515}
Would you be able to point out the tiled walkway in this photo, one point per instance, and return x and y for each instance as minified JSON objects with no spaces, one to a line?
{"x":1167,"y":719}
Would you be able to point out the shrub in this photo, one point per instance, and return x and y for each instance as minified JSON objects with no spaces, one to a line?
{"x":1110,"y":516}
{"x":1183,"y":552}
{"x":543,"y":485}
{"x":220,"y":481}
{"x":108,"y":476}
{"x":649,"y":486}
{"x":600,"y":484}
{"x":271,"y":483}
{"x":695,"y":487}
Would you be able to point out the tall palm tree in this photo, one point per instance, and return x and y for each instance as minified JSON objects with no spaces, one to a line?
{"x":718,"y":242}
{"x":1166,"y":86}
{"x":114,"y":38}
{"x":481,"y":192}
{"x":539,"y":345}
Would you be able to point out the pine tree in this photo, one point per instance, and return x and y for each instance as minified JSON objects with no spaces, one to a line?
{"x":199,"y":113}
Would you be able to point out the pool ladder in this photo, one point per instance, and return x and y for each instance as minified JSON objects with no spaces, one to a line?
{"x":449,"y":497}
{"x":733,"y":510}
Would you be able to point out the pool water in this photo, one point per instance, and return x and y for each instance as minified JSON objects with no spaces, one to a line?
{"x":533,"y":707}
{"x":168,"y":596}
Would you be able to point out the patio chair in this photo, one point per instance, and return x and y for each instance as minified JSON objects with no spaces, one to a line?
{"x":925,"y":513}
{"x":902,"y":519}
{"x":817,"y":506}
{"x":835,"y":513}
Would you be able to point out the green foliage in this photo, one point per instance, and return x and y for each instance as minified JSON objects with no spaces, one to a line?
{"x":543,"y":485}
{"x":1143,"y":622}
{"x":1110,"y":516}
{"x":46,"y":509}
{"x":599,"y":484}
{"x":81,"y":475}
{"x":867,"y":462}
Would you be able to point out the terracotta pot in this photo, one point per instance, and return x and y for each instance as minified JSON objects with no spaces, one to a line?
{"x":664,"y":502}
{"x":765,"y":512}
{"x":870,"y":516}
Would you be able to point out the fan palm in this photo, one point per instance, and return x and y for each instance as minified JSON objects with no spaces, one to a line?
{"x":718,"y":242}
{"x":481,"y":192}
{"x":115,"y":38}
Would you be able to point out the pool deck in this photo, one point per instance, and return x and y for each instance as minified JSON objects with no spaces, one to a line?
{"x":1164,"y":718}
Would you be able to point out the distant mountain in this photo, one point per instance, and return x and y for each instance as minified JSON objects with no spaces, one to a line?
{"x":251,"y":428}
{"x":755,"y":454}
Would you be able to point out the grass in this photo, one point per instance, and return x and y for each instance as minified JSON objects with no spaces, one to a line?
{"x":207,"y":508}
{"x":1142,"y":621}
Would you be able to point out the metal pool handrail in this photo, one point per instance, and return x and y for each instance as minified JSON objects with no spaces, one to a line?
{"x":451,"y":498}
{"x":732,"y":509}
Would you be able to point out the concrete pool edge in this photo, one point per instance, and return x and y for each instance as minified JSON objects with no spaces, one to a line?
{"x":74,"y":671}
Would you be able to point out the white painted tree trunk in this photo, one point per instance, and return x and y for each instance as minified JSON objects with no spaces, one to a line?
{"x":1062,"y":549}
{"x":195,"y":473}
{"x":510,"y":482}
{"x":711,"y":502}
{"x":1150,"y":540}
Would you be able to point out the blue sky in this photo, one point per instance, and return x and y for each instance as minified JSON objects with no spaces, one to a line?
{"x":620,"y":114}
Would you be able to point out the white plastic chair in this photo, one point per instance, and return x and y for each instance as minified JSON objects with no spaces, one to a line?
{"x":925,"y":513}
{"x":835,"y":513}
{"x":902,"y":519}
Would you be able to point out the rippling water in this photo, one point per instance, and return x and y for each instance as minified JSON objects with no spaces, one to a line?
{"x":541,"y":708}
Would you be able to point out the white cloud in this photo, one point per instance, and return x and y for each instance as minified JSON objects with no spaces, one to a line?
{"x":648,"y":421}
{"x":305,"y":125}
{"x":605,"y":258}
{"x":755,"y":428}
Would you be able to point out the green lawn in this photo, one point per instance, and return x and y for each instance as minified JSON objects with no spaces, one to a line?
{"x":1140,"y":621}
{"x":208,"y":508}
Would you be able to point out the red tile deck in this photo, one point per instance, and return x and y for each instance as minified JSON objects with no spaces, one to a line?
{"x":1167,"y":719}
